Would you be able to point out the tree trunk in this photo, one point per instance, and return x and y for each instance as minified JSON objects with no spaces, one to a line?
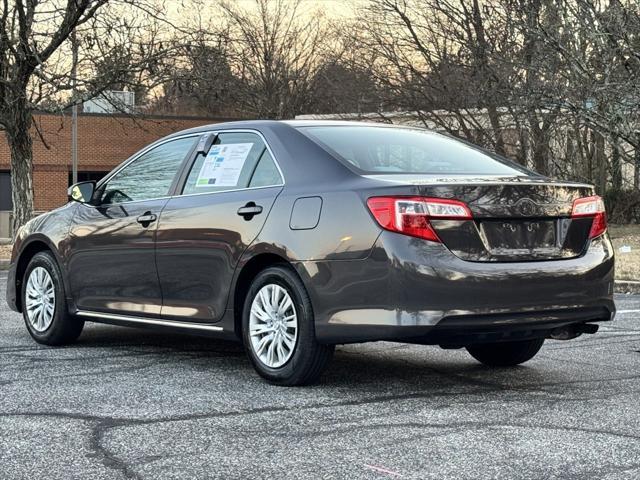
{"x":616,"y":164}
{"x":21,"y":147}
{"x":636,"y":169}
{"x":601,"y":165}
{"x":540,"y":147}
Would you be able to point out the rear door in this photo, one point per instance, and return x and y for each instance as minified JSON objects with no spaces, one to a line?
{"x":227,"y":194}
{"x":112,"y":264}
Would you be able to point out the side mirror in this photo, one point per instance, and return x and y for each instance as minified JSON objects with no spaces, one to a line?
{"x":82,"y":192}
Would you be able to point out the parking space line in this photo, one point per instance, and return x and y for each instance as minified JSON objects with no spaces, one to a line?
{"x":383,"y":470}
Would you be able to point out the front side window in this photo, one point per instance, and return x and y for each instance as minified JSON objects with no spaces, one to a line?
{"x":150,"y":175}
{"x":387,"y":150}
{"x":233,"y":161}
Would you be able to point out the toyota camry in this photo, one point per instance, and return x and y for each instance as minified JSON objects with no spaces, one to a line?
{"x":295,"y":236}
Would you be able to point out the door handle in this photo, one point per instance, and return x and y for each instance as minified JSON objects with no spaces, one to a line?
{"x":146,"y":218}
{"x":249,"y":210}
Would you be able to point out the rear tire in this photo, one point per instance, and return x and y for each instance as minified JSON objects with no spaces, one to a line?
{"x":44,"y":304}
{"x":278,"y":330}
{"x":505,"y":354}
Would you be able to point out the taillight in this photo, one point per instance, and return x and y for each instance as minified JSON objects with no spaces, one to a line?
{"x":591,"y":207}
{"x":410,"y":215}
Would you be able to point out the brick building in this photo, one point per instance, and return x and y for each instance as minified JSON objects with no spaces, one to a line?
{"x":103,"y":142}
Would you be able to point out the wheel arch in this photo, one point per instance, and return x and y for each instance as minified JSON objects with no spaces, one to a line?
{"x":252,"y":267}
{"x":28,"y":251}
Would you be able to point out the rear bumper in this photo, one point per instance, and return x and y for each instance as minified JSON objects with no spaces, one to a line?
{"x":413,"y":290}
{"x":11,"y":288}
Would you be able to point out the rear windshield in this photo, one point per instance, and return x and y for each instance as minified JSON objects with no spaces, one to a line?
{"x":373,"y":150}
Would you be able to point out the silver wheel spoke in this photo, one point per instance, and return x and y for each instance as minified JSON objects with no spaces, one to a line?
{"x":285,"y":304}
{"x":289,"y":340}
{"x":40,"y":299}
{"x":262,"y":343}
{"x":270,"y":351}
{"x":273,"y":325}
{"x":260,"y":313}
{"x":261,"y":330}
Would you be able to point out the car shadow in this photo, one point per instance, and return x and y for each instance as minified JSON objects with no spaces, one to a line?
{"x":365,"y":366}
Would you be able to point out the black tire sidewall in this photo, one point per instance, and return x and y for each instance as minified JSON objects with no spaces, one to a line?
{"x":506,"y":354}
{"x":60,"y":317}
{"x":305,"y":343}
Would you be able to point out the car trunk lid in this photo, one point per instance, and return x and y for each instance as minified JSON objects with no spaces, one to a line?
{"x":514,"y":219}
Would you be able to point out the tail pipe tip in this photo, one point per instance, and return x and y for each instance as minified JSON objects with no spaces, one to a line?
{"x":569,"y":332}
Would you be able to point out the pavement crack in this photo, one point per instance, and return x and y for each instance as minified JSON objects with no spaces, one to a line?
{"x":104,"y":455}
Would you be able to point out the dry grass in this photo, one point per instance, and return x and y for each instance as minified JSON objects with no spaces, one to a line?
{"x":5,"y":252}
{"x":627,"y":264}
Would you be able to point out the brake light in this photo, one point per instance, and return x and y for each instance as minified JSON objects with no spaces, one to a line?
{"x":591,"y":207}
{"x":410,"y":215}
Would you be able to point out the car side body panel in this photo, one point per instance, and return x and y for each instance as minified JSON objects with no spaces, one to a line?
{"x":200,"y":240}
{"x":111,"y":259}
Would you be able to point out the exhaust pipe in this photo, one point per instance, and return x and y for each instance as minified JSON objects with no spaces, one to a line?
{"x":570,"y":332}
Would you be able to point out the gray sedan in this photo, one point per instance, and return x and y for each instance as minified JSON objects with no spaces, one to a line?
{"x":296,"y":236}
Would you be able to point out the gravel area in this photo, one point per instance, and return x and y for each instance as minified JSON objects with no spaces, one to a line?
{"x":626,"y":240}
{"x":5,"y":252}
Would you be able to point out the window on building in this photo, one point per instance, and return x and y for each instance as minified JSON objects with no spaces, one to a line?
{"x":5,"y":191}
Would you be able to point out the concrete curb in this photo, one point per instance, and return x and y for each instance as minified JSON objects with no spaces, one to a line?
{"x":627,"y":286}
{"x":4,"y":264}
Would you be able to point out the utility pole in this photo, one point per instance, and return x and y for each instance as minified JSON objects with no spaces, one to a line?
{"x":74,"y":109}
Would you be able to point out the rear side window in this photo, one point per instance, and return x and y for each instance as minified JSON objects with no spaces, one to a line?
{"x":371,"y":150}
{"x":266,"y":172}
{"x":231,"y":163}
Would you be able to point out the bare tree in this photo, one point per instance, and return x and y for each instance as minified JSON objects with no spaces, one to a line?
{"x":202,"y":81}
{"x":599,"y":43}
{"x":36,"y":70}
{"x":475,"y":69}
{"x":436,"y":58}
{"x":276,"y":53}
{"x":338,"y":87}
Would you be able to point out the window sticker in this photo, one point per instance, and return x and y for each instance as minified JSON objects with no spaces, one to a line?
{"x":223,"y":165}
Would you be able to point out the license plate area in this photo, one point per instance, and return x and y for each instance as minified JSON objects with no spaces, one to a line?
{"x":519,"y":234}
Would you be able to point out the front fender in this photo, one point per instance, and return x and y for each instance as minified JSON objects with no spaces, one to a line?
{"x":45,"y":232}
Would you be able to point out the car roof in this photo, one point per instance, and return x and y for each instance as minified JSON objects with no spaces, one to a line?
{"x":258,"y":124}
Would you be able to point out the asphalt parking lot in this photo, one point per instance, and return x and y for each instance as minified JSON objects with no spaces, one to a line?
{"x":127,"y":403}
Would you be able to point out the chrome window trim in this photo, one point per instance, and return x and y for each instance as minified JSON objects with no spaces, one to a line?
{"x":168,"y":197}
{"x":226,"y":191}
{"x":149,"y":321}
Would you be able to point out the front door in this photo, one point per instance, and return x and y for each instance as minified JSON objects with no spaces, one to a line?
{"x":202,"y":233}
{"x":112,"y":267}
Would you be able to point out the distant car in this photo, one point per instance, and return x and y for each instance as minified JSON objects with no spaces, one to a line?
{"x":297,"y":236}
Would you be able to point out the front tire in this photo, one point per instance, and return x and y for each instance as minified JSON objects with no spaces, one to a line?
{"x":278,"y":330}
{"x":505,"y":354}
{"x":44,"y":305}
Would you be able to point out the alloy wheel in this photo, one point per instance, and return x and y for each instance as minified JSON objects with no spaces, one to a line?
{"x":40,"y":299}
{"x":273,"y":325}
